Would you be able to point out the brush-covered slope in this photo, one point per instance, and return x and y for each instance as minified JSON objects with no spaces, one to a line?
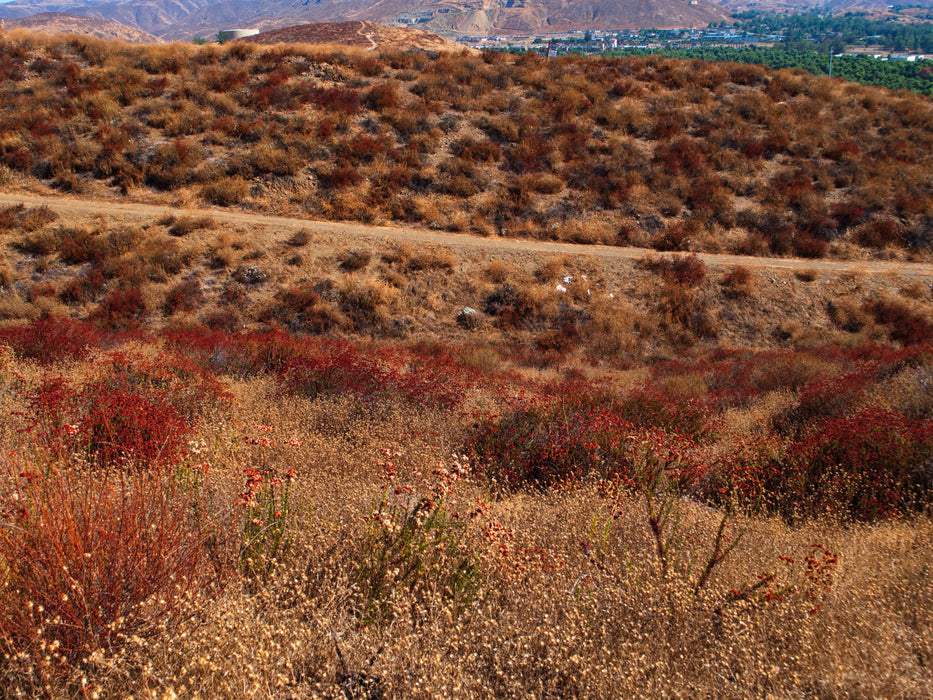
{"x":645,"y":151}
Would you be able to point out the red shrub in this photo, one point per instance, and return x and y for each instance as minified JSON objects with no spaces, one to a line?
{"x":131,"y":410}
{"x":382,"y":97}
{"x":84,"y":288}
{"x":52,"y":339}
{"x":683,"y":155}
{"x":825,"y":397}
{"x":875,"y":464}
{"x":686,"y":270}
{"x":86,"y":558}
{"x":654,"y":407}
{"x":580,"y":436}
{"x":122,"y":308}
{"x":545,"y":444}
{"x":848,"y":214}
{"x":184,"y":296}
{"x":905,"y":325}
{"x":476,"y":151}
{"x":529,"y":155}
{"x":807,"y":246}
{"x":340,"y":99}
{"x":340,"y":175}
{"x":78,"y":245}
{"x":676,"y":236}
{"x":879,"y":232}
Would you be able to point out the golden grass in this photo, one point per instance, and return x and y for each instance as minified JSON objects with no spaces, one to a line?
{"x":603,"y":624}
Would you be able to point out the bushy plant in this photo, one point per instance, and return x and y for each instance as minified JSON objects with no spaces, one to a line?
{"x":129,"y":411}
{"x":414,"y":551}
{"x":870,"y":465}
{"x":51,"y":339}
{"x":89,"y":564}
{"x":582,"y":435}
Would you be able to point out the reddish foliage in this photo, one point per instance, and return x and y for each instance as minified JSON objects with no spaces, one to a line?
{"x":687,"y":270}
{"x":122,"y":308}
{"x":52,"y":339}
{"x":530,"y":154}
{"x":184,"y":296}
{"x":342,"y":174}
{"x":130,"y":410}
{"x":84,"y":288}
{"x":86,"y":560}
{"x":321,"y":367}
{"x":682,"y":155}
{"x":871,"y":465}
{"x":655,"y":407}
{"x":544,"y":444}
{"x":382,"y":97}
{"x":338,"y":99}
{"x":906,"y":326}
{"x":578,"y":436}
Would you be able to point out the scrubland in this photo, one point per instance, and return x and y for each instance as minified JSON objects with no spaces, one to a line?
{"x":676,"y":155}
{"x":250,"y":461}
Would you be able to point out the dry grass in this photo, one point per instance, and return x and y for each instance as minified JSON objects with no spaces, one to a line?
{"x":334,"y":541}
{"x":598,"y":620}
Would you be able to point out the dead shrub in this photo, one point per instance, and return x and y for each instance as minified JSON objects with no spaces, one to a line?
{"x":907,"y":324}
{"x":122,"y":308}
{"x":226,"y":191}
{"x":301,"y":308}
{"x":40,"y":243}
{"x":300,"y":238}
{"x":185,"y":296}
{"x":184,"y":225}
{"x":79,"y":245}
{"x":684,"y":270}
{"x":353,"y":259}
{"x":499,"y":271}
{"x":36,"y":218}
{"x":554,"y":268}
{"x":432,"y":258}
{"x":807,"y":275}
{"x":848,"y":315}
{"x":382,"y":97}
{"x":738,"y":283}
{"x":10,"y":216}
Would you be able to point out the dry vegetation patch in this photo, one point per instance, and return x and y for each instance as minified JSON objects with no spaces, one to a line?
{"x":265,"y":461}
{"x":575,"y":149}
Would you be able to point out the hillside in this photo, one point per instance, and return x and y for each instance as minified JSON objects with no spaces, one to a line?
{"x":58,"y":23}
{"x":175,"y":20}
{"x":328,"y":372}
{"x":645,"y":151}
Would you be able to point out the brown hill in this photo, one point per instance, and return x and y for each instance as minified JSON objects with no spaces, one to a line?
{"x":369,"y":35}
{"x":59,"y":23}
{"x":174,"y":19}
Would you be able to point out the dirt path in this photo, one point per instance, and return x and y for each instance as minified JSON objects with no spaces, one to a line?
{"x":369,"y":36}
{"x":65,"y":205}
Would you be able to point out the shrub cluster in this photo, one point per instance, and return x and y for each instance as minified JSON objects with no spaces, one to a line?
{"x":578,"y":149}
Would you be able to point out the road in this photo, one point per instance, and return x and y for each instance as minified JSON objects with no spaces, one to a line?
{"x":67,"y":204}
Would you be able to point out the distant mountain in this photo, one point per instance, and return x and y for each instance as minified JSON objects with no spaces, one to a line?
{"x":183,"y":19}
{"x":59,"y":23}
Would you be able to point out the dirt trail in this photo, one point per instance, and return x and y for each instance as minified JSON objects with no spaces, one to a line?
{"x":65,"y":205}
{"x":367,"y":35}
